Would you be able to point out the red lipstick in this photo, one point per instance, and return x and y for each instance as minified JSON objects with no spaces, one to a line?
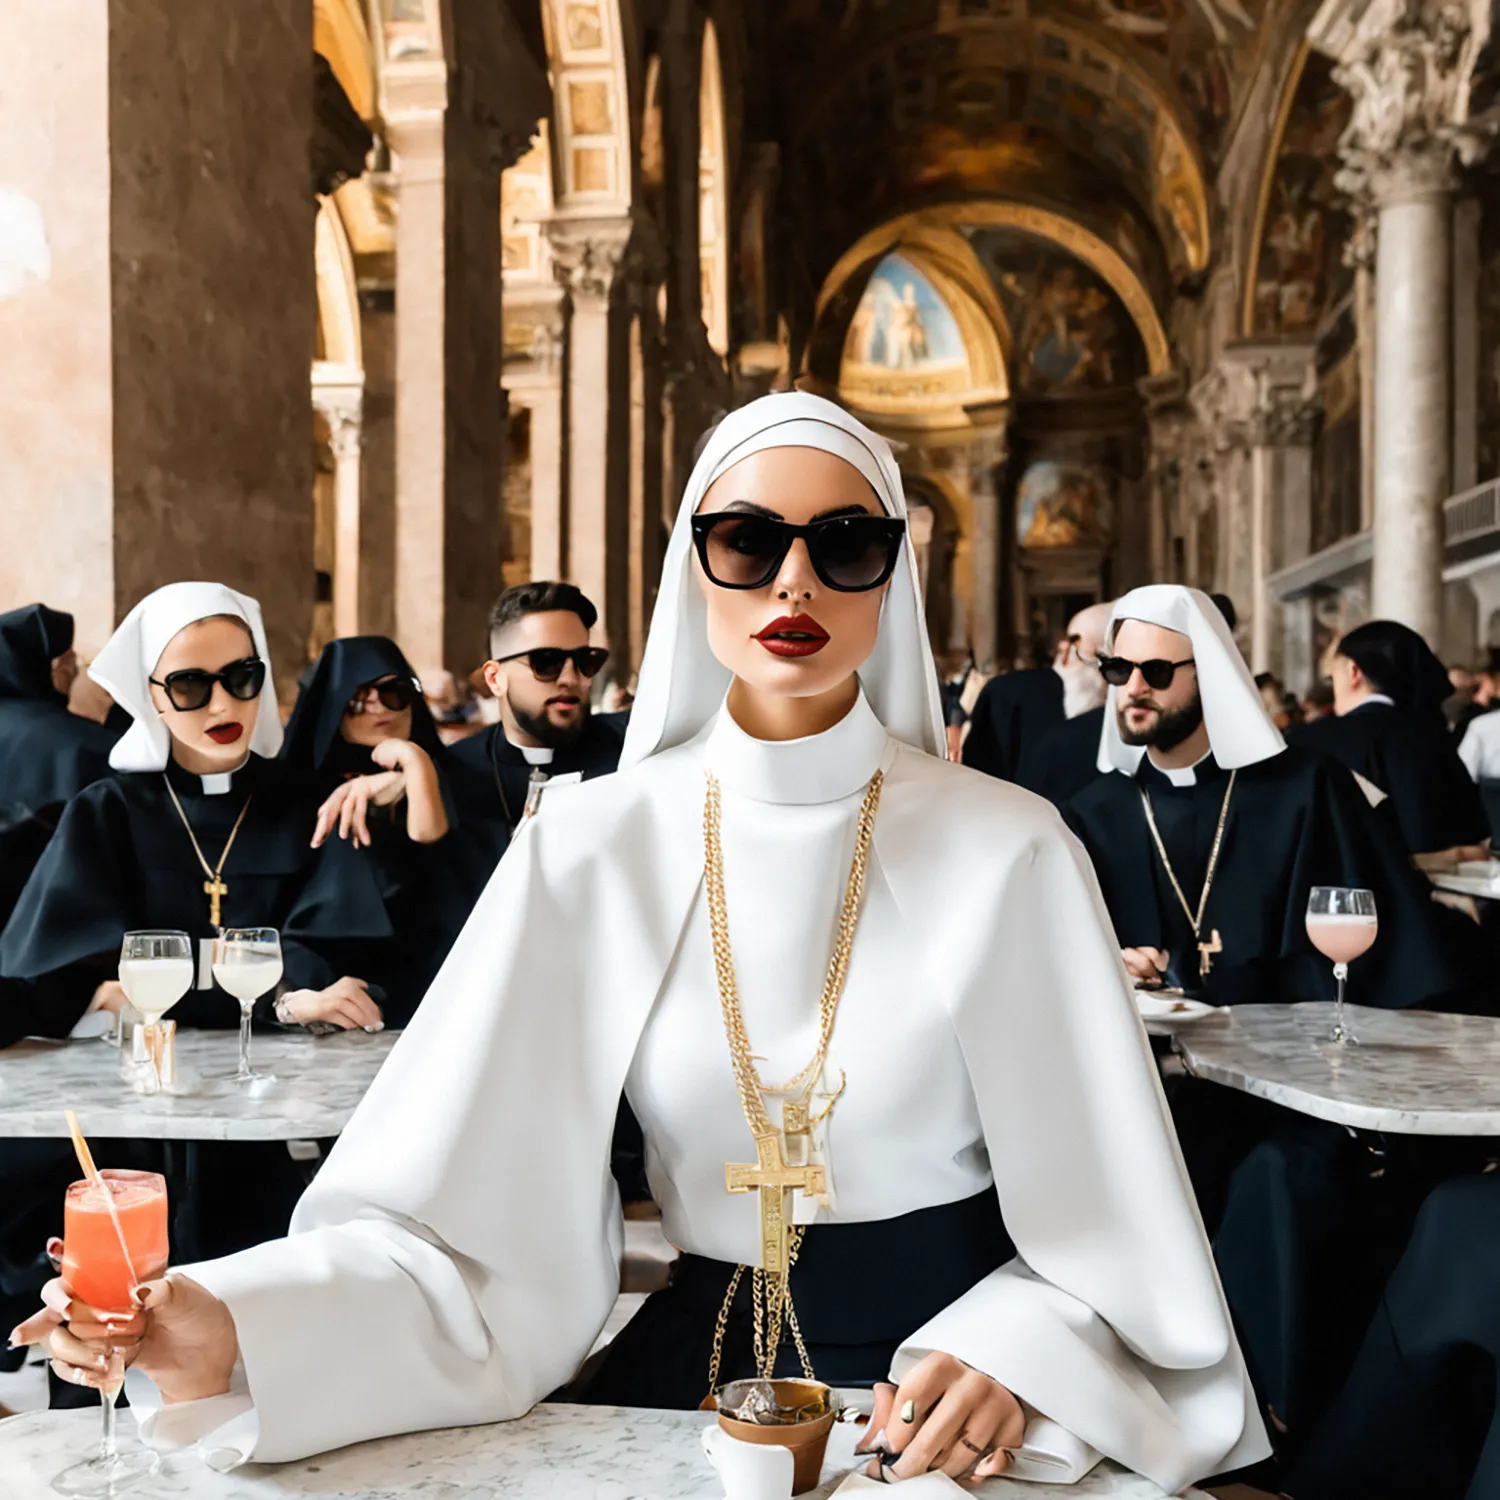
{"x":793,"y":636}
{"x":226,"y":734}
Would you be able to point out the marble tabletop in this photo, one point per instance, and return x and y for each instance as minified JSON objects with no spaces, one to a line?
{"x":554,"y":1453}
{"x":318,"y":1082}
{"x":1409,"y":1072}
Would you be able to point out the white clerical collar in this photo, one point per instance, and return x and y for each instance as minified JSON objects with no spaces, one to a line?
{"x":1180,"y":775}
{"x":533,"y":755}
{"x":222,"y":782}
{"x":1370,"y":698}
{"x":820,"y":768}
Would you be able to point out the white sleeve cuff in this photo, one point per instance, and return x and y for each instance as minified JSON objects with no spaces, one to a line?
{"x":1050,"y":1454}
{"x":224,"y":1429}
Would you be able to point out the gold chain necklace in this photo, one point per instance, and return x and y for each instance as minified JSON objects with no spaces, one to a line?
{"x":214,"y":888}
{"x":770,"y":1175}
{"x":1214,"y":945}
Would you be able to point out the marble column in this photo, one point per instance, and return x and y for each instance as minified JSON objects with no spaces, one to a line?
{"x":377,"y":468}
{"x":1224,"y":485}
{"x":1408,"y":65}
{"x":586,"y":259}
{"x":342,"y":407}
{"x":157,"y":287}
{"x":984,"y":540}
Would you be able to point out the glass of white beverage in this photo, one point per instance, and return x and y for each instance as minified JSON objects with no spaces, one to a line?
{"x":247,"y":964}
{"x":156,"y":971}
{"x":1341,"y":925}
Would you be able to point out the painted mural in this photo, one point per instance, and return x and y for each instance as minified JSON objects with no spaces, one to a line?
{"x":1060,"y":504}
{"x":1069,"y":330}
{"x":1301,"y":273}
{"x":902,"y":324}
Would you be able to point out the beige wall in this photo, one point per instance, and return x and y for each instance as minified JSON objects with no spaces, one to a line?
{"x":55,"y":399}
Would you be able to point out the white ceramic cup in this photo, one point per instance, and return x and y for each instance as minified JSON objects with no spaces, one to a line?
{"x":749,"y":1471}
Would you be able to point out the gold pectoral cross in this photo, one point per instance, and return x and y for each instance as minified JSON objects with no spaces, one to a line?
{"x":215,"y":890}
{"x":774,"y":1180}
{"x":1206,"y":952}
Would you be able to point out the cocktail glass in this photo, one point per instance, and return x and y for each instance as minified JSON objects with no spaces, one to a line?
{"x":156,"y":971}
{"x":1341,"y":925}
{"x":247,"y":964}
{"x":112,"y":1242}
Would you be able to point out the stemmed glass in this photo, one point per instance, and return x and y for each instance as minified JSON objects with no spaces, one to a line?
{"x":1341,"y":925}
{"x":247,"y":964}
{"x":156,"y":971}
{"x":114,"y":1238}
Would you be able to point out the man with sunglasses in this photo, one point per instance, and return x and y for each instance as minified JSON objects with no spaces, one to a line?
{"x":541,"y":670}
{"x":1207,"y":832}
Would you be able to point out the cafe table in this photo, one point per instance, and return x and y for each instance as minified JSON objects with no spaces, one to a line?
{"x":1408,"y":1073}
{"x":316,"y":1082}
{"x":555,"y":1452}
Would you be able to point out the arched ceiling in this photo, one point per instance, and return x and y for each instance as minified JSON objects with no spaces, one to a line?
{"x":1112,"y":112}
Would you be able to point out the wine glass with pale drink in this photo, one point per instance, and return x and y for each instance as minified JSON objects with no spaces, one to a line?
{"x":156,"y":971}
{"x":1341,"y":925}
{"x":114,"y":1238}
{"x":247,"y":965}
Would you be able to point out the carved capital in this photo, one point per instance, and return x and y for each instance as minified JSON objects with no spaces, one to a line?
{"x":1287,"y":419}
{"x":1224,"y":403}
{"x":587,"y":255}
{"x":342,"y":407}
{"x":1409,"y":65}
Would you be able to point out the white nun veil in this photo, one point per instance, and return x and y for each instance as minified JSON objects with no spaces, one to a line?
{"x":130,"y":656}
{"x":682,"y":684}
{"x":1239,"y":728}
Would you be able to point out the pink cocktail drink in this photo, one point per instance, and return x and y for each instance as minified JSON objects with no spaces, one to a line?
{"x":1340,"y":938}
{"x":94,"y":1267}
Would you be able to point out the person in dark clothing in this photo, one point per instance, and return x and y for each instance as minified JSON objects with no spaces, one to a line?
{"x":1388,"y":728}
{"x":1416,"y":1418}
{"x":362,"y":729}
{"x":47,"y":754}
{"x":540,"y":670}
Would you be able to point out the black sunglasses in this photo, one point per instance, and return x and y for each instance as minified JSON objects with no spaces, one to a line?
{"x":850,"y":554}
{"x":1158,"y":672}
{"x":546,"y":662}
{"x":394,"y":692}
{"x":190,"y":690}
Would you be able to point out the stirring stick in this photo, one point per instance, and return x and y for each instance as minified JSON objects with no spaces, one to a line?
{"x":86,"y":1161}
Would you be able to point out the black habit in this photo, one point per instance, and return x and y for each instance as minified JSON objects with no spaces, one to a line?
{"x":1012,"y":711}
{"x":121,"y":860}
{"x":1065,"y":759}
{"x":428,"y":889}
{"x":1412,"y":759}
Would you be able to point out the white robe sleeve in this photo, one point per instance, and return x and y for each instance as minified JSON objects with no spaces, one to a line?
{"x":458,"y":1253}
{"x":1110,"y":1321}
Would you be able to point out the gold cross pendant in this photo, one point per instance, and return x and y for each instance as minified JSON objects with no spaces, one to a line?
{"x":215,"y":890}
{"x":1206,"y":952}
{"x":774,"y":1180}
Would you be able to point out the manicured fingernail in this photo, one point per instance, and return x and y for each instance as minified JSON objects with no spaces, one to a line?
{"x":141,"y":1295}
{"x":13,"y":1340}
{"x":370,"y":1030}
{"x":909,"y":1412}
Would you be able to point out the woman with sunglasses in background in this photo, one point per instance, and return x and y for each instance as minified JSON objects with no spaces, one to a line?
{"x":363,"y":731}
{"x":968,"y":1191}
{"x":202,"y":829}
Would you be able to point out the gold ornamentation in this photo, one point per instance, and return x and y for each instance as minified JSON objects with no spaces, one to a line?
{"x":1205,"y":950}
{"x":770,"y":1175}
{"x":214,"y":887}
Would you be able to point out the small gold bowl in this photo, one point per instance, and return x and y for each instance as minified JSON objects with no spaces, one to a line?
{"x":800,"y":1419}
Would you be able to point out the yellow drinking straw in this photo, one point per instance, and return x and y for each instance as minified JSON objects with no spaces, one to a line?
{"x":86,"y":1161}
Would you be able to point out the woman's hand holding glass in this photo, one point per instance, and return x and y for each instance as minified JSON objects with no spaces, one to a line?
{"x":181,"y":1335}
{"x":945,"y":1415}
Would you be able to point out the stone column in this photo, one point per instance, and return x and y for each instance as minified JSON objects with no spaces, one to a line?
{"x":1224,"y":401}
{"x":377,"y":467}
{"x":1168,"y":417}
{"x":341,"y":405}
{"x":985,"y":458}
{"x":1408,"y":65}
{"x":158,"y":306}
{"x":586,"y":258}
{"x":537,"y":385}
{"x":1280,"y":426}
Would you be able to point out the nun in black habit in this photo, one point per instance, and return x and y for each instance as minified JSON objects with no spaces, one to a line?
{"x":1388,"y":727}
{"x":202,"y":829}
{"x":363,"y":730}
{"x":47,"y":754}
